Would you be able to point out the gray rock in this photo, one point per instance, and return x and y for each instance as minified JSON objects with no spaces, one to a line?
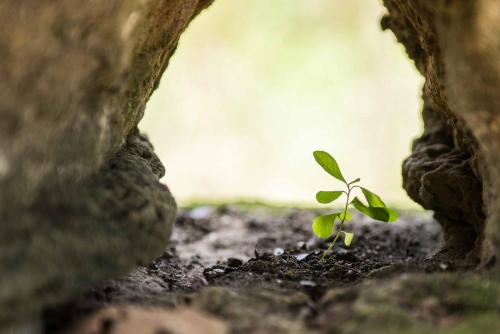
{"x":71,"y":239}
{"x":80,"y":198}
{"x":454,"y":168}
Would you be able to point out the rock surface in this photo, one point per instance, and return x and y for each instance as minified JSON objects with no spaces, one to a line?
{"x":71,"y":239}
{"x":79,"y":185}
{"x":455,"y":166}
{"x":76,"y":75}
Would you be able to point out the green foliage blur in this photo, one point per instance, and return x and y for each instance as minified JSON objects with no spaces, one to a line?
{"x":257,"y":85}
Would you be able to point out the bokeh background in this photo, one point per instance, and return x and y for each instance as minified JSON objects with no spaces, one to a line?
{"x":256,"y":86}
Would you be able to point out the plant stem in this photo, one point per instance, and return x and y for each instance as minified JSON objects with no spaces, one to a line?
{"x":341,"y":227}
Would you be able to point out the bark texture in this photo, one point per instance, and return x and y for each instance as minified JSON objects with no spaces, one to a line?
{"x":80,"y":199}
{"x":454,"y":168}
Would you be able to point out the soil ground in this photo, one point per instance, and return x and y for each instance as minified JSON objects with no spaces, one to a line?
{"x":257,"y":269}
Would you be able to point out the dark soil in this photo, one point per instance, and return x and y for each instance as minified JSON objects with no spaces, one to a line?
{"x":246,"y":263}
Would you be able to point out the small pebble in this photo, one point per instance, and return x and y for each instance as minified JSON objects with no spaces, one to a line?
{"x":201,"y":212}
{"x":196,"y":259}
{"x":278,"y":251}
{"x":253,"y":224}
{"x":301,"y":244}
{"x":265,"y":246}
{"x":307,"y":283}
{"x":234,"y":262}
{"x":213,"y":272}
{"x":301,"y":256}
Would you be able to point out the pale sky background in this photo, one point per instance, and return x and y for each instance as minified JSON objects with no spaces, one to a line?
{"x":256,"y":86}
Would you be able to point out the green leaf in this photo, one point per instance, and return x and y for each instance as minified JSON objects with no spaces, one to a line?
{"x":325,"y":197}
{"x":348,"y":216}
{"x":355,"y":181}
{"x":322,"y":226}
{"x":348,"y":238}
{"x":373,"y":199}
{"x":329,"y":164}
{"x":379,"y":213}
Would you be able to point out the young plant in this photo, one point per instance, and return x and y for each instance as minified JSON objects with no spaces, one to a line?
{"x":324,"y":226}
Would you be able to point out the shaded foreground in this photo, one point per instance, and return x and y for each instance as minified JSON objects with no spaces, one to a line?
{"x":255,"y":269}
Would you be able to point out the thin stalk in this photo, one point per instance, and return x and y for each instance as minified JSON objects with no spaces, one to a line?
{"x":341,"y":227}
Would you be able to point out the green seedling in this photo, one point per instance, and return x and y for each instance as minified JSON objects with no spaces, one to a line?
{"x":324,"y":226}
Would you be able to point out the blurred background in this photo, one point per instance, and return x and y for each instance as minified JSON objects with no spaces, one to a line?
{"x":256,"y":86}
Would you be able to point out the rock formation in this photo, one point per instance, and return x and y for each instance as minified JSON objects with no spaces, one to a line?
{"x":455,"y":165}
{"x":80,"y":199}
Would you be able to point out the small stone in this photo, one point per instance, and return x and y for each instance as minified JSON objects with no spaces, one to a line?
{"x":234,"y":262}
{"x":201,"y":212}
{"x":301,"y":245}
{"x":265,"y":246}
{"x":307,"y":283}
{"x":278,"y":251}
{"x":213,"y":272}
{"x":196,"y":259}
{"x":253,"y":224}
{"x":301,"y":256}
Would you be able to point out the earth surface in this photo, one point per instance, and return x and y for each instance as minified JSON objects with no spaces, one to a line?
{"x":258,"y":269}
